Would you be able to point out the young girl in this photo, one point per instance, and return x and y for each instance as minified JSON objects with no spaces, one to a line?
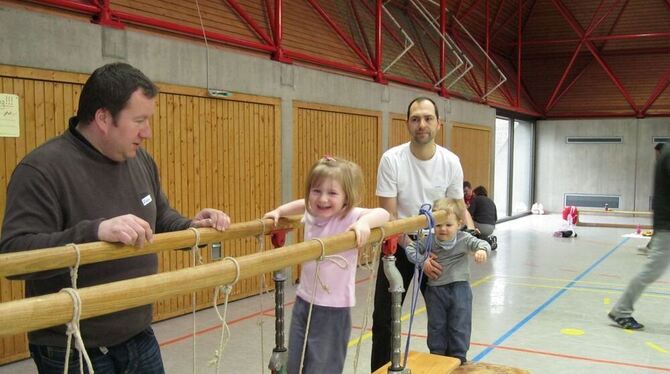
{"x":449,"y":297}
{"x":333,"y":191}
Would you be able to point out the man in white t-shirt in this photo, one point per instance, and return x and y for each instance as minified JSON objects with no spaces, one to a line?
{"x":410,"y":175}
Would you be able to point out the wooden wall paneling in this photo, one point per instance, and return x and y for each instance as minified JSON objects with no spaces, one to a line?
{"x":205,"y":150}
{"x":472,"y":144}
{"x":344,"y":132}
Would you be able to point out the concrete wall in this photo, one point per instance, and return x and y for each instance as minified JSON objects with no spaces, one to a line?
{"x":623,"y":169}
{"x":47,"y":41}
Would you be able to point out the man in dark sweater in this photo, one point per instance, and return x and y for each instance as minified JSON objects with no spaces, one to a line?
{"x":96,"y":183}
{"x":658,"y":258}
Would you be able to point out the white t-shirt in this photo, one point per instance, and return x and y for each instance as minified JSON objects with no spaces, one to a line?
{"x":416,"y":182}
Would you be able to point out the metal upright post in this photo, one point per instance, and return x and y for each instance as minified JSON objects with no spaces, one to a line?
{"x":279,"y":353}
{"x":396,"y":289}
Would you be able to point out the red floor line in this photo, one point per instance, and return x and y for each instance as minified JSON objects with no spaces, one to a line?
{"x":562,"y":355}
{"x":217,"y":326}
{"x":525,"y":350}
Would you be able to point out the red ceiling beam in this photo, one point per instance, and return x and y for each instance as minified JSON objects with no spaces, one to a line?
{"x":361,"y":30}
{"x":399,"y":42}
{"x":472,"y":7}
{"x":495,"y":17}
{"x":443,"y":48}
{"x":555,"y":93}
{"x":279,"y":54}
{"x":379,"y":42}
{"x":650,"y":35}
{"x":661,"y":86}
{"x":250,"y":21}
{"x":345,"y":38}
{"x":595,"y":22}
{"x":414,"y":22}
{"x":505,"y":92}
{"x":329,"y":63}
{"x":499,"y":29}
{"x":519,"y":39}
{"x":581,"y":33}
{"x":190,"y":31}
{"x":73,"y":5}
{"x":270,"y":16}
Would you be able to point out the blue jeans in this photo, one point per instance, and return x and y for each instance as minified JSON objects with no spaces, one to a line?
{"x":139,"y":354}
{"x":449,"y":309}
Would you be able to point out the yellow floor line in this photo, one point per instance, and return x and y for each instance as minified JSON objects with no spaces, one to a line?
{"x":655,"y":347}
{"x":353,"y":342}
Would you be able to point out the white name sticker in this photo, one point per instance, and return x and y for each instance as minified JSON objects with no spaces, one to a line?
{"x":146,"y":200}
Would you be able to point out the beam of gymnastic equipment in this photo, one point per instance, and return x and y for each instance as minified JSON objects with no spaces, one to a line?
{"x":614,"y":225}
{"x":612,"y":212}
{"x":56,"y":309}
{"x":26,"y":262}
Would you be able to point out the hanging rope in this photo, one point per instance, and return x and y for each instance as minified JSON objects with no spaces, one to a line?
{"x":263,"y":290}
{"x":196,"y":259}
{"x":418,"y":272}
{"x":368,"y":300}
{"x":342,"y":263}
{"x":73,"y":325}
{"x":225,"y":329}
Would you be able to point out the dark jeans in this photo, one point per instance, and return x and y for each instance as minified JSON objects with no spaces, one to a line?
{"x":449,"y":309}
{"x":140,"y":354}
{"x":381,"y":316}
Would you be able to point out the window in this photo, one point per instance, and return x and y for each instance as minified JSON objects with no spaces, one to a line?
{"x":514,"y":155}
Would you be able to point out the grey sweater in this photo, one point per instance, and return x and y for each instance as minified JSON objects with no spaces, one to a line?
{"x":454,"y":260}
{"x":58,"y":194}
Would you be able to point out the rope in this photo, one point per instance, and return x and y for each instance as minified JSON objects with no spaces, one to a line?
{"x":73,"y":329}
{"x":371,"y":286}
{"x":418,"y":272}
{"x":225,"y":329}
{"x":334,"y":259}
{"x":73,"y":325}
{"x":195,"y":252}
{"x":74,"y":271}
{"x":263,"y":290}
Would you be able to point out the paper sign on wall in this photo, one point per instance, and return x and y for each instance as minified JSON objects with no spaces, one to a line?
{"x":9,"y":116}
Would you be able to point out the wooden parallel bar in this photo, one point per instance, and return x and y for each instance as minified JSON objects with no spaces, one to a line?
{"x":614,"y":225}
{"x":56,"y":309}
{"x":32,"y":261}
{"x":615,"y":212}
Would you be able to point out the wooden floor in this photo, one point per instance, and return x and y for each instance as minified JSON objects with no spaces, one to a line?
{"x":540,"y":304}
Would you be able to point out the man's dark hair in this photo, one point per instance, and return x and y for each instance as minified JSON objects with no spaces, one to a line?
{"x":423,"y":98}
{"x":480,"y":191}
{"x":467,"y":184}
{"x":659,"y":146}
{"x":110,"y":87}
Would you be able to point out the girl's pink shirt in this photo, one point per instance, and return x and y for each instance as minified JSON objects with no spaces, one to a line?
{"x":340,"y":284}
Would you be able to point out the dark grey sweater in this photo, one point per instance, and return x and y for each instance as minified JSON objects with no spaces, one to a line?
{"x":58,"y":194}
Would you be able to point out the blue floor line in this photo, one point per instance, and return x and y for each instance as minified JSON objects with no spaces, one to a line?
{"x":558,"y":294}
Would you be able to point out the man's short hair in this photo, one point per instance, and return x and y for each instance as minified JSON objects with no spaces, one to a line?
{"x":467,"y":184}
{"x":659,"y":146}
{"x":110,"y":87}
{"x":420,"y":99}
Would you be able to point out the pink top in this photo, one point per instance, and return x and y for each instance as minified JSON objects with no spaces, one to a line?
{"x":338,"y":285}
